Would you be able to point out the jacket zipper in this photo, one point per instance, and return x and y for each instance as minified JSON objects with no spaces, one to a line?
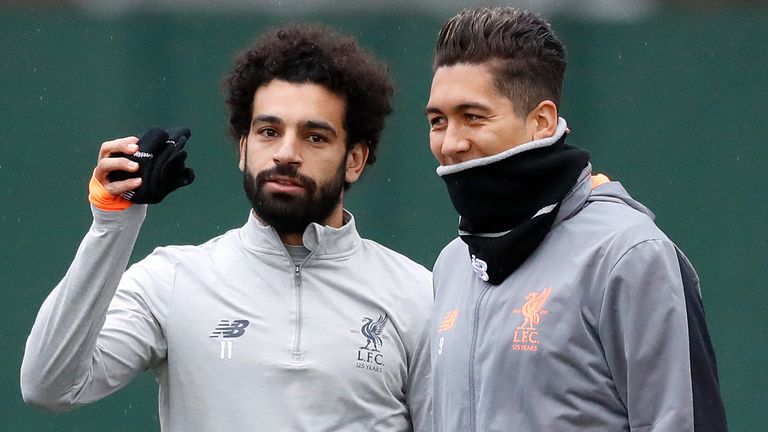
{"x":297,"y":355}
{"x":299,"y":313}
{"x":473,"y":347}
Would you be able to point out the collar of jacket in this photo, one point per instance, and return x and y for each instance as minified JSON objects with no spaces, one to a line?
{"x":577,"y":197}
{"x":322,"y":240}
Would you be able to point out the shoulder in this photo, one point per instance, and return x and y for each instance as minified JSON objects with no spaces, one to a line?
{"x":631,"y":248}
{"x":609,"y":238}
{"x":454,"y":252}
{"x":453,"y":268}
{"x":405,"y":278}
{"x":610,"y":226}
{"x":173,"y":254}
{"x":391,"y":258}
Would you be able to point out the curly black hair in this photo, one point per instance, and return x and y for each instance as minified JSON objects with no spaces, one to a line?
{"x":313,"y":53}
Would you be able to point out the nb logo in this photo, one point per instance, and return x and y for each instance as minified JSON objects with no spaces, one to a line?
{"x":480,"y":268}
{"x":227,"y":330}
{"x":230,"y":329}
{"x":449,"y":321}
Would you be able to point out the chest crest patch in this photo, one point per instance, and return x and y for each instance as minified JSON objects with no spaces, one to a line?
{"x":526,"y":334}
{"x":369,"y":356}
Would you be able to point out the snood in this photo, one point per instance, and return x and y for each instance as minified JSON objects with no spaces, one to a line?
{"x":508,"y":202}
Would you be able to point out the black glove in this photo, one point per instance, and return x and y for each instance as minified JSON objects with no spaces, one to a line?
{"x":161,"y":157}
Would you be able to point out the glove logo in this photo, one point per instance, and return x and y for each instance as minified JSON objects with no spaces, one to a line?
{"x":142,"y":155}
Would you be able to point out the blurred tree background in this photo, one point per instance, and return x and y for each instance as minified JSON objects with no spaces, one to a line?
{"x":667,"y":96}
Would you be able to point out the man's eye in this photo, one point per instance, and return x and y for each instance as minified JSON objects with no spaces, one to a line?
{"x":472,"y":117}
{"x":268,"y":132}
{"x":436,"y":122}
{"x":315,"y":138}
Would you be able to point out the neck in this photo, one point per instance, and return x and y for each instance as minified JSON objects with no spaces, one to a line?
{"x":336,"y":218}
{"x":292,"y":239}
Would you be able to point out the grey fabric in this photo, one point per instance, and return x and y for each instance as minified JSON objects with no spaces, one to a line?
{"x":239,"y":338}
{"x":590,"y":333}
{"x":298,"y":254}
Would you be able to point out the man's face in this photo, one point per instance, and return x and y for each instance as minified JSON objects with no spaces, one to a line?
{"x":469,"y":118}
{"x":294,"y":159}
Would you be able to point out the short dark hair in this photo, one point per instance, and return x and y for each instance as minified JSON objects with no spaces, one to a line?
{"x":526,"y":58}
{"x":312,"y":53}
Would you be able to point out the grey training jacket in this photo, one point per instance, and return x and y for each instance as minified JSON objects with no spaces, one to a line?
{"x":239,"y":338}
{"x":600,"y":330}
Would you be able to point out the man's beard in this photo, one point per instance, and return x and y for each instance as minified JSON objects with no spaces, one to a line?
{"x":290,"y":213}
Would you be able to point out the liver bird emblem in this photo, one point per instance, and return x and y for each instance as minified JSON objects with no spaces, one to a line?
{"x":534,"y":302}
{"x":372,"y":331}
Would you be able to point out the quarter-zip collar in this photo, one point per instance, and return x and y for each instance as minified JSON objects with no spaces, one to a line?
{"x":324,"y":241}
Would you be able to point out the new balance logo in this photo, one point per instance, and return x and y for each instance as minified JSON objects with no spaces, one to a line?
{"x":445,"y":325}
{"x":480,"y":268}
{"x":226,"y":330}
{"x":230,"y":329}
{"x":449,"y":321}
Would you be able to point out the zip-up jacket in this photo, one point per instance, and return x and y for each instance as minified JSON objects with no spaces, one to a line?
{"x":238,"y":336}
{"x":600,"y":329}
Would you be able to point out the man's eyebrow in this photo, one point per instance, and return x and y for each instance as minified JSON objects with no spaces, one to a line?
{"x":318,"y":124}
{"x":466,"y":106}
{"x":267,"y":118}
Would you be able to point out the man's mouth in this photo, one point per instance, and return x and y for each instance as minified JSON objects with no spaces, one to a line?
{"x":284,"y":184}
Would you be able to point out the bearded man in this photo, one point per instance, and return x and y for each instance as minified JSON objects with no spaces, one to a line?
{"x":291,"y":322}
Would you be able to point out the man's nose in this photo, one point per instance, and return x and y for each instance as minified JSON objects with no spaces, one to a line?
{"x":288,"y":151}
{"x":455,"y":141}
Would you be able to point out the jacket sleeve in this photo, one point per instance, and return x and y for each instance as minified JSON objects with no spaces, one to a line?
{"x":86,"y":341}
{"x":419,"y":391}
{"x":708,"y":407}
{"x":644,"y":329}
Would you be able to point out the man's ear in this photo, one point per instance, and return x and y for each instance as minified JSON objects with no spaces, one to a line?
{"x":355,"y":164}
{"x":542,"y":120}
{"x":243,"y":147}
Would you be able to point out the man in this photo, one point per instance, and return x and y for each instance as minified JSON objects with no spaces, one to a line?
{"x":561,"y":307}
{"x":290,"y":323}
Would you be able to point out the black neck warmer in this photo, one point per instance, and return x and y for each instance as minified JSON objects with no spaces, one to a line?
{"x":508,"y":202}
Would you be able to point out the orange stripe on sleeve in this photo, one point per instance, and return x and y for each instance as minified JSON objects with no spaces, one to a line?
{"x":103,"y":200}
{"x":599,"y":179}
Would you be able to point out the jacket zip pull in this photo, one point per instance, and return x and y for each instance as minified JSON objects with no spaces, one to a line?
{"x":297,"y":335}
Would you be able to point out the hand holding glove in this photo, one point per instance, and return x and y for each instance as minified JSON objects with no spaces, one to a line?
{"x":161,"y":158}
